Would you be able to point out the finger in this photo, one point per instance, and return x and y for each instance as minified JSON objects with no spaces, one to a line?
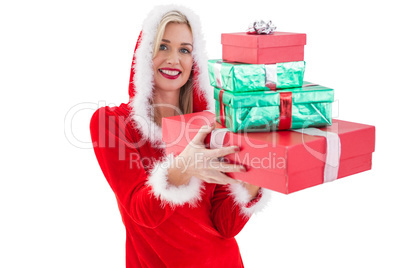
{"x":202,"y":133}
{"x":216,"y":181}
{"x":217,"y":177}
{"x":223,"y":179}
{"x":226,"y":167}
{"x":223,"y":151}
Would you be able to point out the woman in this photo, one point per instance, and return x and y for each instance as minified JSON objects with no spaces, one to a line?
{"x":175,"y":215}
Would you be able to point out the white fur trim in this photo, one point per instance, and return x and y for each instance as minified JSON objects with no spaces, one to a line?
{"x":174,"y":195}
{"x":143,"y":77}
{"x":242,"y":197}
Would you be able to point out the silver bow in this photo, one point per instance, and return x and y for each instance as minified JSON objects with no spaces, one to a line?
{"x":261,"y":27}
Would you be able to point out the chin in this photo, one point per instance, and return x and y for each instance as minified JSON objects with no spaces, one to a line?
{"x":166,"y":86}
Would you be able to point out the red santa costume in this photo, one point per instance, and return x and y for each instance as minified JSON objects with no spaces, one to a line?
{"x":191,"y":225}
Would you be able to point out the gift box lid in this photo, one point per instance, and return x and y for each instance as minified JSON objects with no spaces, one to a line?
{"x":352,"y":144}
{"x":276,"y":39}
{"x":309,"y":93}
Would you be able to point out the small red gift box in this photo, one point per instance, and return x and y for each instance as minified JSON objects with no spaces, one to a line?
{"x":283,"y":161}
{"x":263,"y":48}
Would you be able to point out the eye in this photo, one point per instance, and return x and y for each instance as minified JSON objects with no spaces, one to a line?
{"x":162,"y":47}
{"x":185,"y":51}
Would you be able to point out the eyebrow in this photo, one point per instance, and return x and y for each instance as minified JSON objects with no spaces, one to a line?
{"x":167,"y":41}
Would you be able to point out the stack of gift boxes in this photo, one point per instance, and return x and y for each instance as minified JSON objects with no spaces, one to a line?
{"x":260,"y":96}
{"x":261,"y":88}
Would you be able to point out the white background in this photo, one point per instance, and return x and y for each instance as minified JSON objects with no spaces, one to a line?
{"x":62,"y":59}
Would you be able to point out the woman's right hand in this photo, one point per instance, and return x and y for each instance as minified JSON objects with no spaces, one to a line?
{"x":198,"y":161}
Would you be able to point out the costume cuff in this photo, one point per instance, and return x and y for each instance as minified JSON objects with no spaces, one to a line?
{"x":242,"y":198}
{"x":171,"y":194}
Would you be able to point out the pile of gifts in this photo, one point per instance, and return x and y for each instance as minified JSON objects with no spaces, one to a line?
{"x":282,"y":124}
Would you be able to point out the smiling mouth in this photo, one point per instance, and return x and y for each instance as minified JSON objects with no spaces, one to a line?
{"x":170,"y":74}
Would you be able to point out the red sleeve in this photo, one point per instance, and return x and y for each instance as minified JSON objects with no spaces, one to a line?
{"x":115,"y":151}
{"x":226,"y":216}
{"x":232,"y":208}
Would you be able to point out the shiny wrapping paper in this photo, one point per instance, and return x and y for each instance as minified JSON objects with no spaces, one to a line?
{"x":311,"y":105}
{"x":238,"y":77}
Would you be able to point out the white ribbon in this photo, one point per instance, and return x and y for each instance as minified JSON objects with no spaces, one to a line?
{"x":217,"y":72}
{"x":333,"y":151}
{"x":333,"y":148}
{"x":271,"y":74}
{"x":217,"y":138}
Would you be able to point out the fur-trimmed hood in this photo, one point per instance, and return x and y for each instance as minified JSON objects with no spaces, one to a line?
{"x":142,"y":75}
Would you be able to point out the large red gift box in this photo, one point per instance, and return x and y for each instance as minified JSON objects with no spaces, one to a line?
{"x":263,"y":48}
{"x":283,"y":161}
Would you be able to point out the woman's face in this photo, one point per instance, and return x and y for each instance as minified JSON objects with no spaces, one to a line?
{"x":173,"y":62}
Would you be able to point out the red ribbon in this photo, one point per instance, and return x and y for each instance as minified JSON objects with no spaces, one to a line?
{"x":222,"y":108}
{"x":285,"y":110}
{"x":271,"y":85}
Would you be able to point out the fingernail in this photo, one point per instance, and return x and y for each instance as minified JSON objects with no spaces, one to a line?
{"x":243,"y":169}
{"x":237,"y":149}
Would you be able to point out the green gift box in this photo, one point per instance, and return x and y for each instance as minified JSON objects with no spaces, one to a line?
{"x":240,"y":77}
{"x":306,"y":106}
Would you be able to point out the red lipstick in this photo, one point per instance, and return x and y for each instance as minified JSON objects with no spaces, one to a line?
{"x":169,"y":73}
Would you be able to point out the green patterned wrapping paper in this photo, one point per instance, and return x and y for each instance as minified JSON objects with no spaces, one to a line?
{"x":240,"y":77}
{"x":259,"y":111}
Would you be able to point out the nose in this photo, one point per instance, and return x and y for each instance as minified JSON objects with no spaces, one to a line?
{"x":173,"y":58}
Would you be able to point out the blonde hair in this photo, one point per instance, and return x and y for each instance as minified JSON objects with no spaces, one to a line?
{"x":186,"y":91}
